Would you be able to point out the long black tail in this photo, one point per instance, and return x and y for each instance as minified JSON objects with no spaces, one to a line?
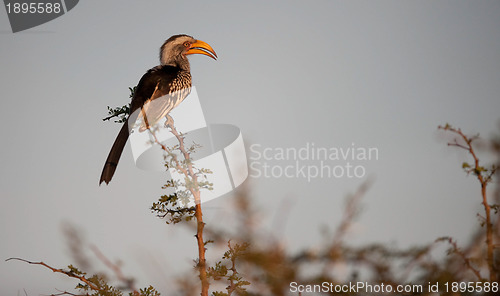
{"x":114,"y":155}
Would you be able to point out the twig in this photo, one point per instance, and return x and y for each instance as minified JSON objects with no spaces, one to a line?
{"x":349,"y":214}
{"x":67,"y":293}
{"x":462,"y":255}
{"x":195,"y":191}
{"x":232,"y":286}
{"x":477,"y":169}
{"x":116,"y":269}
{"x":66,"y":272}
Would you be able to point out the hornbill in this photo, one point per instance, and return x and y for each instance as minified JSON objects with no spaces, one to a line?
{"x":170,"y":81}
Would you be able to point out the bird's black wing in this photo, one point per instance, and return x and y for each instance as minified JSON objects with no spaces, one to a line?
{"x":163,"y":75}
{"x":157,"y":77}
{"x":155,"y":95}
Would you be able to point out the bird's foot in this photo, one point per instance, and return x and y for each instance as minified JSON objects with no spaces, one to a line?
{"x":170,"y":121}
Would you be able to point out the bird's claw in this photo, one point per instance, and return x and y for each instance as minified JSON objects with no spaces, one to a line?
{"x":170,"y":121}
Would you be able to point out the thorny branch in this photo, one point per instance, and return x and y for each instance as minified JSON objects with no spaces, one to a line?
{"x":483,"y":179}
{"x":69,"y":273}
{"x":129,"y":282}
{"x":66,"y":293}
{"x":195,"y":191}
{"x":455,"y":249}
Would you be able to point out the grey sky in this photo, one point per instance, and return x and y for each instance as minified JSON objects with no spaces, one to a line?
{"x":379,"y":74}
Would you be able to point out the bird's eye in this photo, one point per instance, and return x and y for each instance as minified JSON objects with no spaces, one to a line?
{"x":187,"y":44}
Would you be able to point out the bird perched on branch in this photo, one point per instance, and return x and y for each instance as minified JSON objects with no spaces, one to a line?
{"x":160,"y":90}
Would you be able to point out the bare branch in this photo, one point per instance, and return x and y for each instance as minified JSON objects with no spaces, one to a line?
{"x":195,"y":191}
{"x":129,"y":282}
{"x":67,"y":293}
{"x":462,"y":255}
{"x":69,"y":273}
{"x":483,"y":179}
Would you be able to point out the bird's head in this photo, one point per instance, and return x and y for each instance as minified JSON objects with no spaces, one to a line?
{"x":175,"y":50}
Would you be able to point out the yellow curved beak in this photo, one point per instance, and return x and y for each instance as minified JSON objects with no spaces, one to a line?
{"x":201,"y":47}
